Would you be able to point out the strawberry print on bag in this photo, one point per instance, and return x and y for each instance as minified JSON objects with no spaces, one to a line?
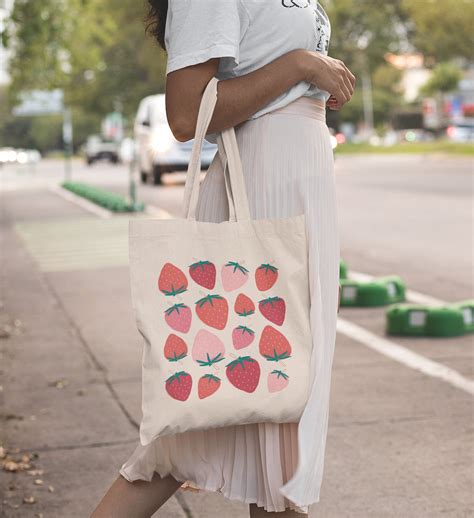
{"x":244,"y":373}
{"x":277,"y":380}
{"x":208,"y":385}
{"x":175,"y":348}
{"x":208,"y":349}
{"x":213,"y":310}
{"x":273,"y":345}
{"x":266,"y":276}
{"x":178,"y":317}
{"x":242,"y":336}
{"x":234,"y":276}
{"x":204,"y":274}
{"x":172,"y":280}
{"x":273,"y":309}
{"x":244,"y":306}
{"x":179,"y":386}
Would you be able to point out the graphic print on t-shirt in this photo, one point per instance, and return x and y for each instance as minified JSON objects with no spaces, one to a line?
{"x":323,"y":28}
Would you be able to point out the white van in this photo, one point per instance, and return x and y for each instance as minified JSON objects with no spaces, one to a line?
{"x":158,"y":150}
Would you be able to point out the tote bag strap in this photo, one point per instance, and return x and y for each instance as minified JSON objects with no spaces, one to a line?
{"x":229,"y":153}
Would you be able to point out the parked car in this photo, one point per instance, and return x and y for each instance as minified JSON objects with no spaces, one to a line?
{"x":158,"y":150}
{"x":96,"y":148}
{"x":461,"y":132}
{"x":19,"y":156}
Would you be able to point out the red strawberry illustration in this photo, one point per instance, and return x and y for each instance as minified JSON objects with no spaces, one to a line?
{"x":207,"y":349}
{"x":277,"y":380}
{"x":213,"y":310}
{"x":244,"y":306}
{"x":273,"y":345}
{"x":178,"y":317}
{"x":273,"y":309}
{"x":179,"y":385}
{"x":208,"y":385}
{"x":233,"y":276}
{"x":244,"y":373}
{"x":204,"y":274}
{"x":175,"y":348}
{"x":172,"y":280}
{"x":242,"y":337}
{"x":265,"y":276}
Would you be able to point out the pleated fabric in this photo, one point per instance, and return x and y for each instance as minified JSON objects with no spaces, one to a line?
{"x":288,"y":165}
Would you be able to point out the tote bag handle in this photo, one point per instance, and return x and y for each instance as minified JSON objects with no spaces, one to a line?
{"x":230,"y":158}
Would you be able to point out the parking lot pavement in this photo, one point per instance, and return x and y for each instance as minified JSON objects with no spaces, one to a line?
{"x":399,"y":441}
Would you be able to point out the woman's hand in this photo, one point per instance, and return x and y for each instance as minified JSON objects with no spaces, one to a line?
{"x":330,"y":75}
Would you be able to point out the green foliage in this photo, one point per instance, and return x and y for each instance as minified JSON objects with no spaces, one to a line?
{"x":445,"y":78}
{"x":95,"y":50}
{"x":106,"y":199}
{"x":442,"y":29}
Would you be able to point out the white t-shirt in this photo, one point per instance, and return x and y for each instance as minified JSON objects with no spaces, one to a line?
{"x":246,"y":35}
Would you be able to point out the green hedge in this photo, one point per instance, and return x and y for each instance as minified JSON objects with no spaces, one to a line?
{"x":106,"y":199}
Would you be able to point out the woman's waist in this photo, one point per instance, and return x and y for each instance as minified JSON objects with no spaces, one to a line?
{"x":303,"y":107}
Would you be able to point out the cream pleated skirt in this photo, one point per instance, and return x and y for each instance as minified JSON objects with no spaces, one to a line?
{"x":288,"y":165}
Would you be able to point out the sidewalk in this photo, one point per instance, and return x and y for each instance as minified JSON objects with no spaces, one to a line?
{"x":398,"y":441}
{"x":71,"y":380}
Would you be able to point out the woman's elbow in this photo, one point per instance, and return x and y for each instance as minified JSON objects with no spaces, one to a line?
{"x":182,"y":128}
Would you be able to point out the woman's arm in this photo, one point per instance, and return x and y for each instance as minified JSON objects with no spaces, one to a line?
{"x":241,"y":97}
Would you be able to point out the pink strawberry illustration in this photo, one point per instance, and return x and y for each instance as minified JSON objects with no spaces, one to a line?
{"x":277,"y":380}
{"x":208,"y":385}
{"x":244,"y":373}
{"x":204,"y":274}
{"x":172,"y":280}
{"x":273,"y":345}
{"x":179,"y":385}
{"x":175,"y":348}
{"x":233,"y":276}
{"x":242,"y":337}
{"x":244,"y":306}
{"x":265,"y":276}
{"x":208,"y":349}
{"x":178,"y":317}
{"x":273,"y":309}
{"x":213,"y":310}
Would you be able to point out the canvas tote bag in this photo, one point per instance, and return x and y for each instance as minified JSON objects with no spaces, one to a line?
{"x":223,"y":307}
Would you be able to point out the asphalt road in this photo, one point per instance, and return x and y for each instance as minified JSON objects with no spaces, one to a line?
{"x":400,"y":436}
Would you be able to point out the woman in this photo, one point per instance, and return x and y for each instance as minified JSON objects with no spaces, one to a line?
{"x":276,"y":79}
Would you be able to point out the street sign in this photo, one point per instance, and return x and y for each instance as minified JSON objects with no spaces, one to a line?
{"x":40,"y":102}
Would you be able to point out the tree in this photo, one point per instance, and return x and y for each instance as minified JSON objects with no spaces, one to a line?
{"x":441,"y":29}
{"x":445,"y":78}
{"x":95,"y":50}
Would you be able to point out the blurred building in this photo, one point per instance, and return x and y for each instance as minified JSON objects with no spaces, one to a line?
{"x":415,"y":74}
{"x":6,"y":7}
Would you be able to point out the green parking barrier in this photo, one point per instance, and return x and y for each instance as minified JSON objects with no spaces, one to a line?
{"x":466,"y":307}
{"x":342,"y":270}
{"x":106,"y":199}
{"x":378,"y":292}
{"x":418,"y":320}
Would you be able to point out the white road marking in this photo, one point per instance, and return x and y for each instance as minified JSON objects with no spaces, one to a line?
{"x":405,"y":356}
{"x":81,"y":202}
{"x":399,"y":353}
{"x":151,"y":210}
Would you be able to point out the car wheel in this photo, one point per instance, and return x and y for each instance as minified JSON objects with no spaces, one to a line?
{"x":143,"y":177}
{"x":157,"y":175}
{"x":90,"y":161}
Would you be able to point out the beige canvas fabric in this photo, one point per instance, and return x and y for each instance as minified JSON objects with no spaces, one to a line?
{"x":223,"y":307}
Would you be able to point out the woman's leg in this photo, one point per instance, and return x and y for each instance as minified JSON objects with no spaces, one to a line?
{"x":139,"y":499}
{"x":259,"y":512}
